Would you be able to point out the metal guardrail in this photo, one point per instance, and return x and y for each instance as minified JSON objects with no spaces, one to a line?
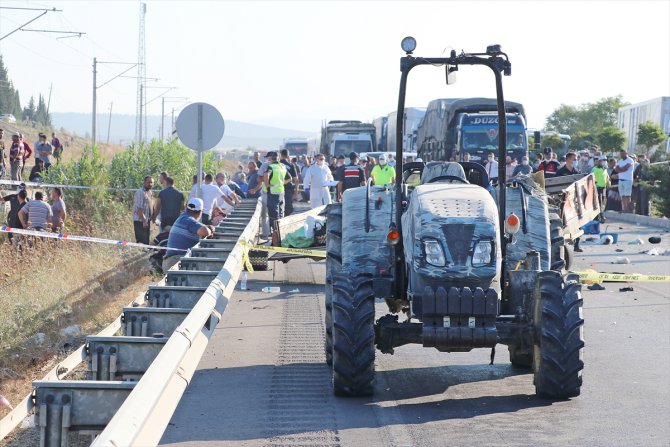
{"x":62,"y":406}
{"x":144,"y":415}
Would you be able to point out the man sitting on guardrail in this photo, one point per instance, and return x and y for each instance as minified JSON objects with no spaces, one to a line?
{"x":186,"y":232}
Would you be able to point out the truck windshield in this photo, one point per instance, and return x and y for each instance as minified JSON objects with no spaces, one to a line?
{"x":348,"y":146}
{"x":478,"y":141}
{"x":296,"y":148}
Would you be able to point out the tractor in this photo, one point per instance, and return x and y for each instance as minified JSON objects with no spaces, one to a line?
{"x":460,"y":262}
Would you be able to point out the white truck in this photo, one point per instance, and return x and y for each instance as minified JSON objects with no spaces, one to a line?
{"x":343,"y":137}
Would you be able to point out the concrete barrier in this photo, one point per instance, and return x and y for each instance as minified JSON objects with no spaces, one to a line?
{"x":656,"y":222}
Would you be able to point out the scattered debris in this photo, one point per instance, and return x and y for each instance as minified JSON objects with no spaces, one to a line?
{"x":294,"y":291}
{"x":636,"y":241}
{"x":259,"y":307}
{"x":606,"y":239}
{"x":655,"y":240}
{"x":621,"y":261}
{"x":626,"y":289}
{"x":596,"y":287}
{"x":619,"y":250}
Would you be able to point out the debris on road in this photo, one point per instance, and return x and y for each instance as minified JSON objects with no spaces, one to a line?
{"x":596,"y":286}
{"x":294,"y":291}
{"x":626,"y":289}
{"x":655,"y":240}
{"x":636,"y":241}
{"x":621,"y":261}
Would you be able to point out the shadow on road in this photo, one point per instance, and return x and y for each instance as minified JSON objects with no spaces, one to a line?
{"x":266,"y":401}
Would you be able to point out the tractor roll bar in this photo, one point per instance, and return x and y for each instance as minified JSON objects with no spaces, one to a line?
{"x":492,"y":59}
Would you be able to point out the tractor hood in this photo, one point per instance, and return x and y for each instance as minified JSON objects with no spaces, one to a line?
{"x":462,"y":221}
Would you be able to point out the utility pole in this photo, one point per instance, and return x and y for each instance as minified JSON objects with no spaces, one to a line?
{"x":109,"y":124}
{"x":162,"y":116}
{"x":141,"y":75}
{"x":139,"y":129}
{"x":51,"y":87}
{"x":95,"y":99}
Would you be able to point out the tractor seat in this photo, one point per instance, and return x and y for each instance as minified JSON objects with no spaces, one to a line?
{"x":435,"y":169}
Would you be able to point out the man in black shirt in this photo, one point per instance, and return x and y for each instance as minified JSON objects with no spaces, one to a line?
{"x":170,"y":204}
{"x":349,"y":176}
{"x":569,"y":167}
{"x":16,"y":202}
{"x":290,"y":189}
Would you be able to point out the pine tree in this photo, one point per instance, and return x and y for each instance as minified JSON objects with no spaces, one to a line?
{"x":30,"y":112}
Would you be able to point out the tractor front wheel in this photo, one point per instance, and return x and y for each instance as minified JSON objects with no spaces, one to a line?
{"x":353,"y":314}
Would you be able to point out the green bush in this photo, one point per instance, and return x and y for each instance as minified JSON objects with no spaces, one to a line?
{"x":129,"y":168}
{"x":99,"y":210}
{"x":659,"y":177}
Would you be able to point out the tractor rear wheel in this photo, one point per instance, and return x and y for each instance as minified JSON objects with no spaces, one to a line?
{"x":559,"y":342}
{"x":333,"y":265}
{"x":353,"y":335}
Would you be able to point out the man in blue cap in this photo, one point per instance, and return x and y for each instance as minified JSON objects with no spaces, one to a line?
{"x":350,"y":176}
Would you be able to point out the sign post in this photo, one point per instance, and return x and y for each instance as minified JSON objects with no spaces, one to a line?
{"x":200,"y":127}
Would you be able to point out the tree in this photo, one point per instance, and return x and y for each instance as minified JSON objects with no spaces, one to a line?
{"x":9,"y":96}
{"x":611,"y":139}
{"x":586,"y":120}
{"x":649,"y":135}
{"x":553,"y":141}
{"x":30,"y":111}
{"x":564,"y":120}
{"x":41,"y":115}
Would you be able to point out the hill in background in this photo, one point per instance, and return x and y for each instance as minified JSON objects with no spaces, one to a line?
{"x":238,"y":135}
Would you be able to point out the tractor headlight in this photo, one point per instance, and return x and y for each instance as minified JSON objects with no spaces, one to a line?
{"x":483,"y":253}
{"x":434,"y":252}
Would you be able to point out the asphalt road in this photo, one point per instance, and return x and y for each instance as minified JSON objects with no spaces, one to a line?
{"x":263,"y":380}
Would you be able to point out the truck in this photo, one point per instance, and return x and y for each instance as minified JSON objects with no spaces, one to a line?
{"x":411,"y":121}
{"x":459,"y":264}
{"x":453,"y":127}
{"x":296,"y":146}
{"x":381,"y":130}
{"x":341,"y":137}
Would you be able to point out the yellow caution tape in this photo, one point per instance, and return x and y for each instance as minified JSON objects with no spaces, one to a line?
{"x":245,"y":259}
{"x":593,"y":276}
{"x":293,"y":251}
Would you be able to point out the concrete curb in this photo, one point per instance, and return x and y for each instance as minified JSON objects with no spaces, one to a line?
{"x":657,"y":222}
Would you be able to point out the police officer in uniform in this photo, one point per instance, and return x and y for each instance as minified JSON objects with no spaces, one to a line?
{"x":275,"y":179}
{"x":350,"y":176}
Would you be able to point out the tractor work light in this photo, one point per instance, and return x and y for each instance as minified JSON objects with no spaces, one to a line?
{"x":408,"y":44}
{"x":483,"y":253}
{"x":512,"y":224}
{"x":434,"y":252}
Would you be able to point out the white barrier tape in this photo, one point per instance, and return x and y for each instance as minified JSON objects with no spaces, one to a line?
{"x":72,"y":237}
{"x":53,"y":185}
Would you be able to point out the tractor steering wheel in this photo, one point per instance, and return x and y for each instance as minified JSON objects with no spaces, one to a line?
{"x":448,"y":177}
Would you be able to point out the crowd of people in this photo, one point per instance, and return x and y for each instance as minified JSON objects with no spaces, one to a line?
{"x":36,"y":213}
{"x":15,"y":157}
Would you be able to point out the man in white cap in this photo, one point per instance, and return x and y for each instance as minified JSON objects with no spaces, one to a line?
{"x":186,"y":231}
{"x":383,"y":174}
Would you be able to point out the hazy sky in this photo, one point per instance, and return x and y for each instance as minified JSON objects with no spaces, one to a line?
{"x":294,"y":64}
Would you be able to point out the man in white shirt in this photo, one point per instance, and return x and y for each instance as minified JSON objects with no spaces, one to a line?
{"x":492,"y":167}
{"x":227,"y":192}
{"x":316,"y":179}
{"x":625,"y":168}
{"x":210,"y":195}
